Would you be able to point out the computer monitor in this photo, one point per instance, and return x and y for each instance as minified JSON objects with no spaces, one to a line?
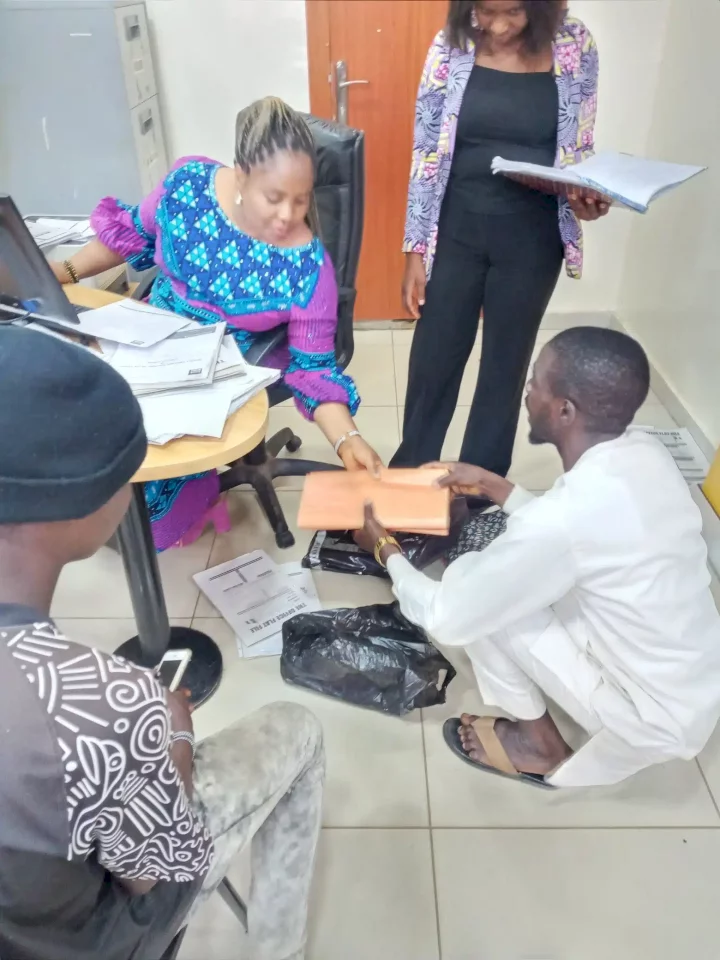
{"x":27,"y":284}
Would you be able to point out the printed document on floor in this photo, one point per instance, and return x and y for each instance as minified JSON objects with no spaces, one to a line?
{"x":691,"y":461}
{"x":256,"y":596}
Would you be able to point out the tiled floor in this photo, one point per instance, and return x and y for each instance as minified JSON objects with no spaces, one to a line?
{"x":422,"y":858}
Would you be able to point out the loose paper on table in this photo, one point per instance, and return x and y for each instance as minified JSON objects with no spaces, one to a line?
{"x":127,"y":321}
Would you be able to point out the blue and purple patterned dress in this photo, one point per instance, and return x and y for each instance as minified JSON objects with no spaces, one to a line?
{"x":209,"y":270}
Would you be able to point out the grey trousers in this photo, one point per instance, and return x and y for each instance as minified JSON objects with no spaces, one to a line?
{"x":261,"y":781}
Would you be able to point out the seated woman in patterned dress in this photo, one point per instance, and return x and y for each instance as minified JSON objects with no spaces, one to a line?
{"x":240,"y":245}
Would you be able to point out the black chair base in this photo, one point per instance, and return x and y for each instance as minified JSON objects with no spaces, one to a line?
{"x":261,"y":466}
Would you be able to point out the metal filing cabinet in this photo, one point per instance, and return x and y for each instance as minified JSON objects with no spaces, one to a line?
{"x":79,"y":110}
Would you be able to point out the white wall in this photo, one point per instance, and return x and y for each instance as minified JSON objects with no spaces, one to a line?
{"x":670,"y":292}
{"x":214,"y":56}
{"x":630,"y":36}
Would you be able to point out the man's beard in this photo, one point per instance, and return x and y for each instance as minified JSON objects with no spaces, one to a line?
{"x":538,"y":433}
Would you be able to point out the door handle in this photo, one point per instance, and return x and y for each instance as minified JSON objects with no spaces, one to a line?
{"x":341,"y":85}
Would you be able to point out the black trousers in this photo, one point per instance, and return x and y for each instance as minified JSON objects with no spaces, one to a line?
{"x":506,"y":265}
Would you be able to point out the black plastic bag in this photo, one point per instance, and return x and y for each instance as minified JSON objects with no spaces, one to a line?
{"x":336,"y":550}
{"x":369,"y":656}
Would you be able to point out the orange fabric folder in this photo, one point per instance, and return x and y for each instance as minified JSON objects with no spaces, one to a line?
{"x":403,"y":500}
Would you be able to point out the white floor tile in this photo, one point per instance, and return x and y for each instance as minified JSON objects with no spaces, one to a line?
{"x":377,"y":425}
{"x":709,"y":759}
{"x":577,"y":894}
{"x":96,"y":588}
{"x":214,"y":933}
{"x":375,"y":763}
{"x":671,"y":794}
{"x":372,"y":368}
{"x":467,"y":387}
{"x":373,"y":897}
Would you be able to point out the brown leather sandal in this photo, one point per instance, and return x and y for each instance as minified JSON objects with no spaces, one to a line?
{"x":499,"y":762}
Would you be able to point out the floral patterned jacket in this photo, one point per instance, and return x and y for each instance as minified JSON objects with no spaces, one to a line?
{"x":442,"y":85}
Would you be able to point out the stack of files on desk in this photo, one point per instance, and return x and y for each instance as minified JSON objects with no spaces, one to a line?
{"x":51,"y":232}
{"x":256,"y":596}
{"x":185,"y":359}
{"x":201,"y":411}
{"x":231,"y":362}
{"x":405,"y":500}
{"x":188,"y":377}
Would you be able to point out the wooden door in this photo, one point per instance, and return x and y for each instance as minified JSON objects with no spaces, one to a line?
{"x":384,"y":42}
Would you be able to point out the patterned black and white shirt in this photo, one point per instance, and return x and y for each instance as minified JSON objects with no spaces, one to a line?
{"x":88,"y":794}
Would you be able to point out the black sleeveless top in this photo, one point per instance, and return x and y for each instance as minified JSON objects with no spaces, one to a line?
{"x":509,"y":115}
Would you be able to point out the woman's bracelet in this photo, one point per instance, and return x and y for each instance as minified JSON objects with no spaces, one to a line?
{"x":71,"y":271}
{"x":343,"y":438}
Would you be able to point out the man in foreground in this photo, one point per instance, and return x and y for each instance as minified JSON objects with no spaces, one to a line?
{"x":109,"y":830}
{"x":597,"y":595}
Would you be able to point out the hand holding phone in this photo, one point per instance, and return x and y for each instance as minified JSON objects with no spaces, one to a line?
{"x":171,"y":668}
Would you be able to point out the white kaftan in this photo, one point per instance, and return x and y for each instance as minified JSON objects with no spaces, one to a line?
{"x":599,"y":595}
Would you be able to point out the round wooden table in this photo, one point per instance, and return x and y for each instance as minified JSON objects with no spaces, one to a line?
{"x":244,"y":430}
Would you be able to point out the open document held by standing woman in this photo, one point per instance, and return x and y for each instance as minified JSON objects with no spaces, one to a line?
{"x":510,"y":78}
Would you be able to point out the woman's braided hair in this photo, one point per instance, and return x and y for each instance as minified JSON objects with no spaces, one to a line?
{"x":267,"y":126}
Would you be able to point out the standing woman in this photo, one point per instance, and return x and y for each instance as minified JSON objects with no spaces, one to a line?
{"x":510,"y":78}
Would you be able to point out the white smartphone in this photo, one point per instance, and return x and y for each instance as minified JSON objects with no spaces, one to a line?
{"x":171,"y":668}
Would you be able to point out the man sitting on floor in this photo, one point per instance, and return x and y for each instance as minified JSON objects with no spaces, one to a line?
{"x":109,"y":831}
{"x":597,"y":595}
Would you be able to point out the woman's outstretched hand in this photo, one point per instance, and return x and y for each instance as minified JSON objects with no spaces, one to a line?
{"x":466,"y":480}
{"x":357,"y":454}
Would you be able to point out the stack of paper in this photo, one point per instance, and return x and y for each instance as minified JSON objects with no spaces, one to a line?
{"x":50,"y":232}
{"x":231,"y":362}
{"x":186,"y":359}
{"x":189,"y":377}
{"x":618,"y":178}
{"x":256,"y":596}
{"x":201,"y":411}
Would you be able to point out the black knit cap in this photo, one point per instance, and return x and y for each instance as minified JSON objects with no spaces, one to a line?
{"x":71,"y":432}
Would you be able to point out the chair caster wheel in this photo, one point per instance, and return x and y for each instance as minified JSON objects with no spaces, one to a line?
{"x":292,"y":446}
{"x":284,"y":539}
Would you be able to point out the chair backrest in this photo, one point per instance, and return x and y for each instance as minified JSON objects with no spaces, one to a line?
{"x":340,"y":196}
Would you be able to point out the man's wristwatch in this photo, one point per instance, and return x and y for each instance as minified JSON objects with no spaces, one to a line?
{"x":385,"y":542}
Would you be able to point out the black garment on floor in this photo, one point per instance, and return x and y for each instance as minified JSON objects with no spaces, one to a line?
{"x":499,"y":251}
